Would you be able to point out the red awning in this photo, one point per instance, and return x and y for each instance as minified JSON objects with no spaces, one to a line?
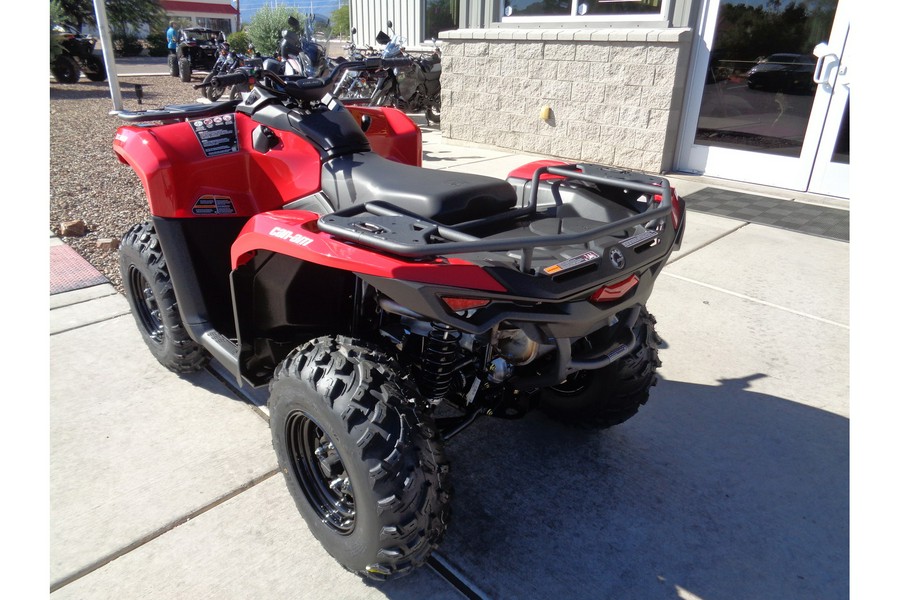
{"x":197,"y":7}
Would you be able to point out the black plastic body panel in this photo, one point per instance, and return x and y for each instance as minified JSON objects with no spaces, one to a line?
{"x":197,"y":253}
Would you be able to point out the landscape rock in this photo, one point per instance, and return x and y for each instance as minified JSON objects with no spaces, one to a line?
{"x":72,"y":228}
{"x":108,"y":243}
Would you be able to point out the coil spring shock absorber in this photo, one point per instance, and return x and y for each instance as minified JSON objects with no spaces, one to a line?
{"x":438,"y":359}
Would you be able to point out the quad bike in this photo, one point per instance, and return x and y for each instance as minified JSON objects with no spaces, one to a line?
{"x":386,"y":306}
{"x":77,"y":57}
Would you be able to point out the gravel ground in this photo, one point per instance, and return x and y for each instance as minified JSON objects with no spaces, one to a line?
{"x":87,"y":181}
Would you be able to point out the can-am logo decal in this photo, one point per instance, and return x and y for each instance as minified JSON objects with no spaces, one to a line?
{"x":290,"y":236}
{"x":213,"y":205}
{"x":617,"y":258}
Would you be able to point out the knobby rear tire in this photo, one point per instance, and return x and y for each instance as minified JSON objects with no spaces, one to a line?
{"x":602,"y":398}
{"x":364,"y":466}
{"x":149,"y":291}
{"x":65,"y":69}
{"x":184,"y":69}
{"x":96,"y":69}
{"x":172,"y":62}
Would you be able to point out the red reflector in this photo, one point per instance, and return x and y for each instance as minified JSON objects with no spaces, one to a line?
{"x":676,"y":207}
{"x":615,"y":291}
{"x":457,"y":304}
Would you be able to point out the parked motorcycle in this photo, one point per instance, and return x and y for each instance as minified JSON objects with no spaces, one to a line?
{"x":416,"y":88}
{"x":300,"y":243}
{"x":355,"y":84}
{"x":227,"y":62}
{"x":304,"y":49}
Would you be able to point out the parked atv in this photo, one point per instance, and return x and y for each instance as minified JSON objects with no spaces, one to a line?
{"x":77,"y":57}
{"x":300,"y":243}
{"x":198,"y":50}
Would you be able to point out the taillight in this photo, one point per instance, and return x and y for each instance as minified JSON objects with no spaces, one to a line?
{"x":676,"y":207}
{"x":614,"y":291}
{"x":457,"y":304}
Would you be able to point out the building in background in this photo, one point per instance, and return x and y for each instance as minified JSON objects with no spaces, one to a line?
{"x":749,"y":90}
{"x":213,"y":14}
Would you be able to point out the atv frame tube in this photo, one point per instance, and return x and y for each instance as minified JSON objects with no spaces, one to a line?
{"x":441,"y":239}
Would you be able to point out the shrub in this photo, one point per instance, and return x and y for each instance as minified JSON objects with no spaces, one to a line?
{"x":157,"y":44}
{"x":266,"y":26}
{"x":127,"y":44}
{"x":239,"y":40}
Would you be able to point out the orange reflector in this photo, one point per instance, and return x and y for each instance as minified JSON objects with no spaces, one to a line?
{"x":615,"y":291}
{"x":457,"y":304}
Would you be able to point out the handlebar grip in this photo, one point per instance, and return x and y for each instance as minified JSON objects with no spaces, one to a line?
{"x":235,"y":78}
{"x":402,"y":61}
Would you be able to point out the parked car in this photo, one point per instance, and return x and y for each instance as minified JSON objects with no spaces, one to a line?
{"x":783,"y":72}
{"x":198,"y":50}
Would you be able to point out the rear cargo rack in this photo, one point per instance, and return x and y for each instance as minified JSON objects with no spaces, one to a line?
{"x":383,"y":226}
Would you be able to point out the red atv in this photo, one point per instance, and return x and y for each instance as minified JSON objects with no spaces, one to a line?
{"x":300,"y":243}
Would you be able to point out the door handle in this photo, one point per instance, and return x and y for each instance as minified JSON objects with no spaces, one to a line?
{"x":822,"y":51}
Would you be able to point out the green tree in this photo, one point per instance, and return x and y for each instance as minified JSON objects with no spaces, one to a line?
{"x":266,"y":26}
{"x":123,"y":15}
{"x":340,"y":21}
{"x":56,"y":16}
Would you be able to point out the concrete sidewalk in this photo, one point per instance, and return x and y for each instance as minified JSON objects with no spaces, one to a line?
{"x":733,"y":481}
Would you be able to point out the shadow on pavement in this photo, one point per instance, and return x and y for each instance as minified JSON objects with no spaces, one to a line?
{"x":429,"y":156}
{"x":716,"y":491}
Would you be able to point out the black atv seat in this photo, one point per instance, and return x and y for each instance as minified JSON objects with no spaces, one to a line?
{"x":443,"y":196}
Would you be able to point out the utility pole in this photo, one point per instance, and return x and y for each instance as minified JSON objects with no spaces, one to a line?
{"x":238,"y":7}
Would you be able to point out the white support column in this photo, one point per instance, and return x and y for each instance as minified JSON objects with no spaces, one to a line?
{"x":109,"y":55}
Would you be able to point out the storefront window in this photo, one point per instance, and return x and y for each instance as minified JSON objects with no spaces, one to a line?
{"x":440,"y":15}
{"x":580,"y":10}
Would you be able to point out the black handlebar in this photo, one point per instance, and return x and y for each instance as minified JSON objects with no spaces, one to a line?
{"x":236,"y":78}
{"x":306,"y":88}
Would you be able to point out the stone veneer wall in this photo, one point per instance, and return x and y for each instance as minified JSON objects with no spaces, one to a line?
{"x":614,"y":95}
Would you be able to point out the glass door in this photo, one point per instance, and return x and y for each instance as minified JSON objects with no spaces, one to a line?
{"x":768,"y":95}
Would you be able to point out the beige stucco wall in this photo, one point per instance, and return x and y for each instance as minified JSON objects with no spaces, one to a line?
{"x":614,"y":95}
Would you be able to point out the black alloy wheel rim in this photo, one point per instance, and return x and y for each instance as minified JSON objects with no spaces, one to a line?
{"x":147,"y":307}
{"x":319,"y":469}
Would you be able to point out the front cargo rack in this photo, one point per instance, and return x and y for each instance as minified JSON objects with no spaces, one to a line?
{"x":383,"y":226}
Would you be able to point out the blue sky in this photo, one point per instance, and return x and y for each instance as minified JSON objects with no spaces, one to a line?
{"x":249,"y":7}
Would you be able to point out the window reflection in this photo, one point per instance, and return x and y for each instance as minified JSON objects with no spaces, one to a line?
{"x":584,"y":8}
{"x":440,"y":15}
{"x":759,"y":89}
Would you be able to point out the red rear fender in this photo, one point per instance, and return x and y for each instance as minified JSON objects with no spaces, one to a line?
{"x":294,"y":233}
{"x":391,"y":133}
